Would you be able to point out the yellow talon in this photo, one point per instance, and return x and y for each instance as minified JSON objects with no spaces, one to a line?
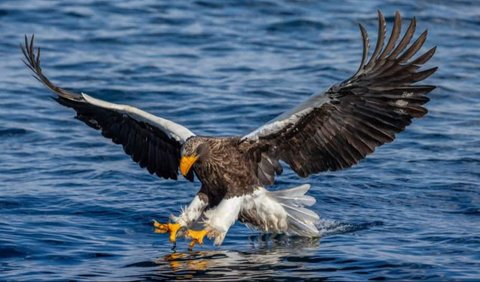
{"x":172,"y":228}
{"x":196,"y":236}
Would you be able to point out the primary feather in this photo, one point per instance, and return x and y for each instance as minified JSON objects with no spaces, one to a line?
{"x":335,"y":129}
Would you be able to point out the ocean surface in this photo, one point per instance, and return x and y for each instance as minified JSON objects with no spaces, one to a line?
{"x":73,"y":206}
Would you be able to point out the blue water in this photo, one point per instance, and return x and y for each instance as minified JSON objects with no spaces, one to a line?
{"x":74,"y":206}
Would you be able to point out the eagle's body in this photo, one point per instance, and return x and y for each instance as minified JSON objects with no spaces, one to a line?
{"x":217,"y":181}
{"x":233,"y":188}
{"x":230,"y":169}
{"x":329,"y":131}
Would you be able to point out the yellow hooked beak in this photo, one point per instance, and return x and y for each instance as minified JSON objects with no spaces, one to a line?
{"x":186,"y":163}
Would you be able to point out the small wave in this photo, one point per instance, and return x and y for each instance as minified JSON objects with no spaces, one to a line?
{"x":467,"y":211}
{"x":295,"y":24}
{"x":13,"y":132}
{"x":332,"y":227}
{"x":11,"y":251}
{"x":326,"y":227}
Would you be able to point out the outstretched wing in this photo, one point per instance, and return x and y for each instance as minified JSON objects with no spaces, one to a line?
{"x":151,"y":141}
{"x":335,"y":129}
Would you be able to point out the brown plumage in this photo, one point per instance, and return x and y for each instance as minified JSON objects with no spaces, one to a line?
{"x":329,"y":131}
{"x":245,"y":167}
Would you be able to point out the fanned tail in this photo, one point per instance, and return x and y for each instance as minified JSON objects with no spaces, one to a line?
{"x":300,"y":220}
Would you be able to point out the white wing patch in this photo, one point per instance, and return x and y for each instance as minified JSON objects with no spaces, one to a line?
{"x":172,"y":129}
{"x":276,"y":126}
{"x":289,"y":118}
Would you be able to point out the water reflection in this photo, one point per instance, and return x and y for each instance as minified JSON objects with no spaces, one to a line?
{"x":264,"y":256}
{"x":261,"y":258}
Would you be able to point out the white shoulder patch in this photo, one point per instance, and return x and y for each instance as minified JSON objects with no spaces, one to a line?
{"x":172,"y":129}
{"x":276,"y":125}
{"x":288,"y":118}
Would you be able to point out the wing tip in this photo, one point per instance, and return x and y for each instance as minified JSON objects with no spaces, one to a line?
{"x":366,"y":46}
{"x":32,"y":61}
{"x":395,"y":56}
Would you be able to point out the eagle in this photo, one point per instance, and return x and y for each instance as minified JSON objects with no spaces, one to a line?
{"x":329,"y":131}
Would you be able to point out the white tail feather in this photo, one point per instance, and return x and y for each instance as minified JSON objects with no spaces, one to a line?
{"x":295,"y":191}
{"x":301,"y":221}
{"x":281,"y":211}
{"x":299,"y":201}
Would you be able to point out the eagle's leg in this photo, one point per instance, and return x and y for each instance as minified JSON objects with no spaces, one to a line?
{"x":181,"y":223}
{"x":220,"y":218}
{"x":171,"y":228}
{"x":193,"y":212}
{"x":196,"y":236}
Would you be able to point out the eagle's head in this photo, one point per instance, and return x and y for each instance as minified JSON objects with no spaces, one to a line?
{"x":194,"y":150}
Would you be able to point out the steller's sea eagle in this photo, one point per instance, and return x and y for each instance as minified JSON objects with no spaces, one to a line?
{"x":331,"y":130}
